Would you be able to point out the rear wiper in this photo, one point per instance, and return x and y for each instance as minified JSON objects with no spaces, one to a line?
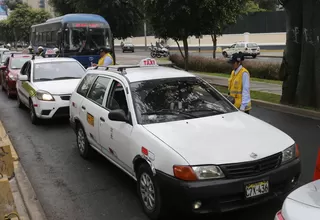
{"x":66,"y":77}
{"x":169,"y":112}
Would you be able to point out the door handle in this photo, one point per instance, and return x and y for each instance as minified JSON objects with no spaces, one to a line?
{"x":102,"y":119}
{"x":84,"y":108}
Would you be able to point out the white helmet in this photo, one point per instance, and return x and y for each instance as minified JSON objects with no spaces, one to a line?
{"x":8,"y":45}
{"x":55,"y":50}
{"x":40,"y":47}
{"x":29,"y":47}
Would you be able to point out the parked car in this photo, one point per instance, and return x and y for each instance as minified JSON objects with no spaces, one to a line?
{"x":128,"y":47}
{"x":10,"y":70}
{"x":302,"y":204}
{"x":246,"y":48}
{"x":184,"y":143}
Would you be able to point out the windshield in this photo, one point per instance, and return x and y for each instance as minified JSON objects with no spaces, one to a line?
{"x":17,"y":63}
{"x":176,"y":99}
{"x":87,"y":38}
{"x":57,"y":71}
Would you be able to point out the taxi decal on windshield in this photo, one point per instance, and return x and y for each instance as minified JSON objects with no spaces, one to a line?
{"x":32,"y":92}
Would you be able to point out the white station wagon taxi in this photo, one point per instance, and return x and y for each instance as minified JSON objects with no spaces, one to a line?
{"x":45,"y":86}
{"x":184,"y":143}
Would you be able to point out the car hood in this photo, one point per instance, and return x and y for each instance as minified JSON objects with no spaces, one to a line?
{"x":221,"y":139}
{"x":308,"y":194}
{"x":58,"y":87}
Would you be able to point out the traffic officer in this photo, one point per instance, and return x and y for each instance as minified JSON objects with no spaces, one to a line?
{"x":41,"y":52}
{"x":57,"y":52}
{"x":30,"y":50}
{"x":105,"y":58}
{"x":239,"y":84}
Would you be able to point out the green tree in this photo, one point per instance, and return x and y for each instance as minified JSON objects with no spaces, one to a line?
{"x":217,"y":15}
{"x":22,"y":18}
{"x":300,"y":69}
{"x":6,"y":35}
{"x":252,"y":7}
{"x":175,"y":19}
{"x":124,"y":16}
{"x":12,"y":4}
{"x":268,"y":5}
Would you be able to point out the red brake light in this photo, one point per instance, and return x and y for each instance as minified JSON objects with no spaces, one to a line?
{"x":280,"y":216}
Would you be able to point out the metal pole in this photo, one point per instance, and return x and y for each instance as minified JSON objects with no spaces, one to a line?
{"x":145,"y":35}
{"x":199,"y":45}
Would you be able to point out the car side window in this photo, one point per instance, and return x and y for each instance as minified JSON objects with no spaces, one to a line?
{"x":98,"y":90}
{"x":7,"y":62}
{"x":85,"y":84}
{"x":23,"y":69}
{"x":233,"y":46}
{"x":28,"y":71}
{"x":117,"y":98}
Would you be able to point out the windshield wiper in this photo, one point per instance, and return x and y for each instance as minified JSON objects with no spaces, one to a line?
{"x":44,"y":79}
{"x":66,"y":77}
{"x":169,"y":112}
{"x":208,"y":110}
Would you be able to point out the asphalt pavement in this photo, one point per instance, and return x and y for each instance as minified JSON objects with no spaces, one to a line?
{"x":69,"y":187}
{"x":265,"y":56}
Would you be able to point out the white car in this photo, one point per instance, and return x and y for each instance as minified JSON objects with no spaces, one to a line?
{"x":246,"y":48}
{"x":184,"y":143}
{"x":302,"y":204}
{"x":45,"y":86}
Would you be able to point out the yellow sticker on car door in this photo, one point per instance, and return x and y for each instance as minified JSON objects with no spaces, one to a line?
{"x":90,"y":119}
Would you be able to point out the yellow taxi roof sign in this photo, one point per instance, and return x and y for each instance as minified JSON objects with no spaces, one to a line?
{"x":148,"y":62}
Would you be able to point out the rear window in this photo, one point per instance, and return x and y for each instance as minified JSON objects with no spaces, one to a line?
{"x":17,"y":63}
{"x":252,"y":45}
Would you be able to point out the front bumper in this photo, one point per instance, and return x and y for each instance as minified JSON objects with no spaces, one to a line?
{"x":226,"y":194}
{"x":52,"y":109}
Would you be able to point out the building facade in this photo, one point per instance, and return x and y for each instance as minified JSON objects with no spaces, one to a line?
{"x":43,"y":4}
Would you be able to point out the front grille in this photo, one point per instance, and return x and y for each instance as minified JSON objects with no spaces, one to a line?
{"x":252,"y":168}
{"x":62,"y":112}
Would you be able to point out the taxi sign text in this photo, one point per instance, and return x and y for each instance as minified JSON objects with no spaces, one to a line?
{"x":148,"y":62}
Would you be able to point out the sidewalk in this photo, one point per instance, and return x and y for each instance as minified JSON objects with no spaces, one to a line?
{"x":255,"y":86}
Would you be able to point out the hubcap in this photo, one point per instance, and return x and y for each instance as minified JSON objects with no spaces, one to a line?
{"x":81,"y":140}
{"x":147,"y":191}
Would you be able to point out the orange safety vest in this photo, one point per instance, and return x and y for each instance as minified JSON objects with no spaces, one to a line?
{"x":235,"y":87}
{"x":101,"y":60}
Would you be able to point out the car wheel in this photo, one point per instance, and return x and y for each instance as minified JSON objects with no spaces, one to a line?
{"x":224,"y":54}
{"x":33,"y":116}
{"x":20,"y":104}
{"x":84,"y":147}
{"x":149,"y":193}
{"x":133,"y":51}
{"x":122,"y":51}
{"x":254,"y":56}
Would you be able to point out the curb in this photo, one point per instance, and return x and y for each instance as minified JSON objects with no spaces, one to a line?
{"x":283,"y":108}
{"x":28,"y":206}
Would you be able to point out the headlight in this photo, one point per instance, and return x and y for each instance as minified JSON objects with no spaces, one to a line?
{"x":290,"y":153}
{"x":12,"y":77}
{"x":44,"y":96}
{"x":208,"y":172}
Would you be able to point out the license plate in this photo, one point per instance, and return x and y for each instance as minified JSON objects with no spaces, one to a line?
{"x":257,"y":189}
{"x":90,"y":119}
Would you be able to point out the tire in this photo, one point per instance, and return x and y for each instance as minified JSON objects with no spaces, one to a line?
{"x":20,"y":104}
{"x":34,"y":118}
{"x":159,"y":55}
{"x":133,"y":51}
{"x":83,"y":145}
{"x":122,"y":51}
{"x":254,"y":56}
{"x":224,"y":54}
{"x":147,"y":183}
{"x":153,"y":54}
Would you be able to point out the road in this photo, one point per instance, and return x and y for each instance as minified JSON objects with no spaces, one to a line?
{"x":71,"y":188}
{"x":143,"y":53}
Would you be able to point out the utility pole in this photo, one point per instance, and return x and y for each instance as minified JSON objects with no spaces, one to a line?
{"x":145,"y":33}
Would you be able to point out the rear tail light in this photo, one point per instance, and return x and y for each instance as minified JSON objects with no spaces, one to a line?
{"x":279,"y":216}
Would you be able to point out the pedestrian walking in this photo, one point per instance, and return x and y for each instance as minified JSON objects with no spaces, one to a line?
{"x":239,"y":84}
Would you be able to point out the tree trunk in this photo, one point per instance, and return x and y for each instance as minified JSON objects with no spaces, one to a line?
{"x":301,"y":66}
{"x":214,"y":42}
{"x":186,"y":53}
{"x":293,"y":50}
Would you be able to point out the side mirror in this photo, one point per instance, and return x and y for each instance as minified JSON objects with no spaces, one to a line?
{"x":23,"y":77}
{"x":118,"y":115}
{"x":231,"y":99}
{"x":3,"y":68}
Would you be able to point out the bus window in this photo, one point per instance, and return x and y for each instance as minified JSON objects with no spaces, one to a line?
{"x":78,"y":37}
{"x":98,"y":38}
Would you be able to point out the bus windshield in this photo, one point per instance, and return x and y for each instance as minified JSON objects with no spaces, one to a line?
{"x":88,"y":38}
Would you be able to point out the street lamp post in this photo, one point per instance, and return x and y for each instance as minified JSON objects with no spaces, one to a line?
{"x":145,"y":35}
